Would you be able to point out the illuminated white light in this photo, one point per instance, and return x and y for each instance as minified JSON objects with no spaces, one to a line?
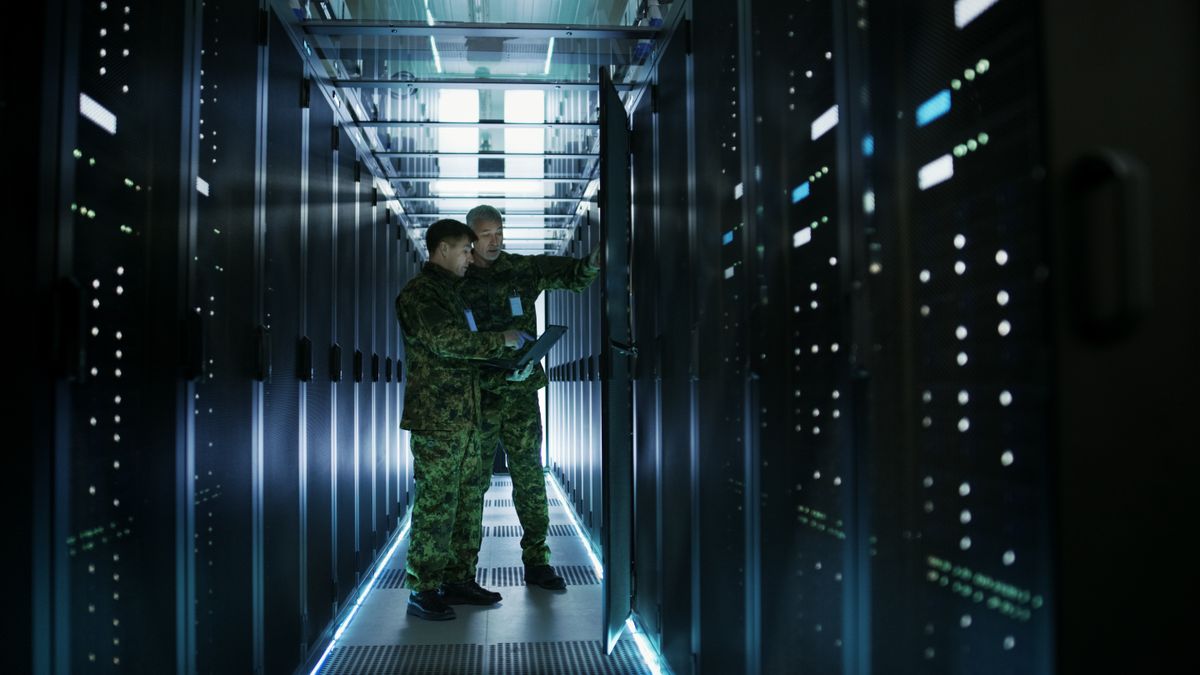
{"x":833,"y":262}
{"x":729,"y":272}
{"x":961,"y":332}
{"x":962,"y":358}
{"x":964,"y":424}
{"x":965,"y":516}
{"x":924,"y":276}
{"x":1009,"y":557}
{"x":1001,"y":257}
{"x":813,"y":286}
{"x":1002,"y":298}
{"x":549,"y":54}
{"x":825,"y":122}
{"x":939,"y":170}
{"x":869,"y":201}
{"x":927,"y":396}
{"x":963,"y":398}
{"x":802,"y":237}
{"x":95,"y":283}
{"x":965,"y":621}
{"x":966,"y":11}
{"x":91,"y":109}
{"x":1004,"y":328}
{"x":95,"y":371}
{"x":738,"y":191}
{"x":959,"y":241}
{"x":337,"y":635}
{"x":95,"y":331}
{"x":1010,"y":642}
{"x":202,"y":186}
{"x":964,"y":543}
{"x":928,"y":482}
{"x":1006,"y":458}
{"x":960,"y":268}
{"x":1006,"y":398}
{"x":964,"y":489}
{"x":587,"y":545}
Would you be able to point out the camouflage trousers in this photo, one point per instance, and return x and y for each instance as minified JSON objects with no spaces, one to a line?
{"x":515,"y":420}
{"x":447,"y":519}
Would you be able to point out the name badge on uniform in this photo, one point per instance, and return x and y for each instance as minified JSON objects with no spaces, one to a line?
{"x":470,"y":320}
{"x":514,"y":303}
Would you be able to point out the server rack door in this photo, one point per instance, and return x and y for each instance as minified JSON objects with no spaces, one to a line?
{"x":596,"y":509}
{"x":314,"y":364}
{"x":720,"y":229}
{"x":224,"y":271}
{"x":616,"y":432}
{"x":674,"y":343}
{"x":379,"y":350}
{"x":346,"y":419}
{"x":643,"y":268}
{"x":1121,"y":97}
{"x":281,"y":403}
{"x":119,"y":480}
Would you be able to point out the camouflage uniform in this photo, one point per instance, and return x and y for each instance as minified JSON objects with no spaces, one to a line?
{"x":510,"y":409}
{"x":441,"y":408}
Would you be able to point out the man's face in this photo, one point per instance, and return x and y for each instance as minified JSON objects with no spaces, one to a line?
{"x":455,"y":255}
{"x":491,"y":240}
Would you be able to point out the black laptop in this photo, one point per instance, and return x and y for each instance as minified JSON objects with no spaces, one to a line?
{"x":537,"y":352}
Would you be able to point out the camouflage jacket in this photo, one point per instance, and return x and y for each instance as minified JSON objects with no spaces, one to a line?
{"x":442,"y":392}
{"x":503,"y":296}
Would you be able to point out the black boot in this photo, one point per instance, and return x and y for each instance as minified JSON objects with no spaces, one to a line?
{"x":544,"y":576}
{"x":429,"y":605}
{"x":468,"y":593}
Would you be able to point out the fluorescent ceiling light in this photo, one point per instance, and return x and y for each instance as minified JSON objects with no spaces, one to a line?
{"x":486,"y":186}
{"x":549,"y":53}
{"x":437,"y":58}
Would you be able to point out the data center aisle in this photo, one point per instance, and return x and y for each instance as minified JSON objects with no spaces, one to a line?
{"x":532,"y":631}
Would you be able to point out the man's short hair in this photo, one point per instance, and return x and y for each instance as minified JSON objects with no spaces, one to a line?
{"x":447,"y":229}
{"x":484,"y":213}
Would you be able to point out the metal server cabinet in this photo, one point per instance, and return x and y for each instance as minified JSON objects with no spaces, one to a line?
{"x":365,"y":268}
{"x":349,"y":369}
{"x":963,"y":578}
{"x":673,"y":345}
{"x":286,"y":141}
{"x":118,"y":200}
{"x":224,"y":267}
{"x":316,"y":469}
{"x":801,"y":351}
{"x":721,"y":246}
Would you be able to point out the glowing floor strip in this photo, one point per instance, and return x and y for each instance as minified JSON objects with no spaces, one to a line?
{"x":649,"y":656}
{"x":337,"y":635}
{"x":587,"y":544}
